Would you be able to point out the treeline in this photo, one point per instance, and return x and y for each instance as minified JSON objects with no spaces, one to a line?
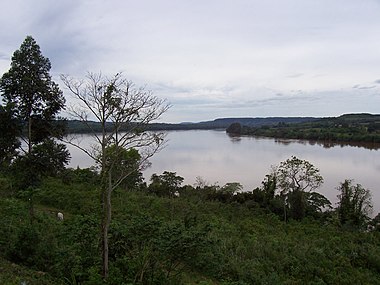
{"x":76,"y":126}
{"x":346,"y":128}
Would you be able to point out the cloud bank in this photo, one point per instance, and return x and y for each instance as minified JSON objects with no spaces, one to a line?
{"x":214,"y":58}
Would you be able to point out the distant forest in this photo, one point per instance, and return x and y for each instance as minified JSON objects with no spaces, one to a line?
{"x":74,"y":126}
{"x":345,"y":128}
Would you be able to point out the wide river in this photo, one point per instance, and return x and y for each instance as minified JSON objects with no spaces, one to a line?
{"x":217,"y":158}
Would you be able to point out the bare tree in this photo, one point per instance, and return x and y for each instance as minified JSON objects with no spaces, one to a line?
{"x":124,"y":113}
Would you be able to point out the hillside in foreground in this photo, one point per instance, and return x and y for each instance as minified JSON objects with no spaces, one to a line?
{"x":191,"y":239}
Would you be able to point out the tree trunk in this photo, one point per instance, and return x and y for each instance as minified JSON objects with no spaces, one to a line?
{"x":106,"y":223}
{"x":29,"y":135}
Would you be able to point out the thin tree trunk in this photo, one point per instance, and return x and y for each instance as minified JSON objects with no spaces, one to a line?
{"x":106,"y":224}
{"x":31,"y":205}
{"x":29,"y":135}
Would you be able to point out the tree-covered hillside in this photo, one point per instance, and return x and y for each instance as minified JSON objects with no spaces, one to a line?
{"x":74,"y":126}
{"x":346,"y":128}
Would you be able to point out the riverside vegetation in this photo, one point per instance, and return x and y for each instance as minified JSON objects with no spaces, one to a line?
{"x":161,"y":232}
{"x":359,"y":128}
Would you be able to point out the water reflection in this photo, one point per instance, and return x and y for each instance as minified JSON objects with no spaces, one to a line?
{"x":234,"y":138}
{"x":330,"y":144}
{"x":326,"y":144}
{"x":218,"y":158}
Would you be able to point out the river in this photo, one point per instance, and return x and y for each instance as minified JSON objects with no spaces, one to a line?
{"x":218,"y":158}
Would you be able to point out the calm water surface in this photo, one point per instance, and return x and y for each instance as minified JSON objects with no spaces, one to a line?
{"x":218,"y":158}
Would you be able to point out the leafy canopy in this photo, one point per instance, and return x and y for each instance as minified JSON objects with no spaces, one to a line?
{"x":295,"y":174}
{"x":28,"y":87}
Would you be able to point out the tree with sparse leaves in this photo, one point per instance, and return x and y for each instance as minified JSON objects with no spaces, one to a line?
{"x":124,"y":113}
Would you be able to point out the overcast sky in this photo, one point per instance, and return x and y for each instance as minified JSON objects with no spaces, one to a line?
{"x":214,"y":58}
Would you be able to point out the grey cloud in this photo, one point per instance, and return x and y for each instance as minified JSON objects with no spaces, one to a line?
{"x":367,"y":87}
{"x":221,"y":55}
{"x":357,"y":86}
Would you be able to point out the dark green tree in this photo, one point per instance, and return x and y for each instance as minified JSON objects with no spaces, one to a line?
{"x":9,"y":142}
{"x":316,"y":203}
{"x":28,"y":90}
{"x":166,"y":184}
{"x":34,"y":100}
{"x":269,"y":188}
{"x":234,"y":129}
{"x":125,"y":163}
{"x":295,"y":177}
{"x":354,"y":204}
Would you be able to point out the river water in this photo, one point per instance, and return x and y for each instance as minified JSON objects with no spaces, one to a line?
{"x":218,"y":158}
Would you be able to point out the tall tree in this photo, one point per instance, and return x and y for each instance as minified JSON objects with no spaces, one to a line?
{"x":354,"y":204}
{"x":294,"y":178}
{"x":29,"y":92}
{"x":124,"y":113}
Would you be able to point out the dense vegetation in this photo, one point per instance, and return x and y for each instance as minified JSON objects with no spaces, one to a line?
{"x":207,"y":235}
{"x":346,"y":128}
{"x":56,"y":222}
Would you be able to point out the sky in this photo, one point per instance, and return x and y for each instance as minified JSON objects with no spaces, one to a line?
{"x":213,"y":58}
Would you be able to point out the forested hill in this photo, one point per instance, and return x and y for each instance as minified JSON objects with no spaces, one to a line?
{"x":345,"y":128}
{"x":286,"y":127}
{"x":74,"y":126}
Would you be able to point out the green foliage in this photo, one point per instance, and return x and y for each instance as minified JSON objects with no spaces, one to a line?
{"x":87,"y":176}
{"x":354,"y":205}
{"x":234,"y":129}
{"x":295,"y":178}
{"x":45,"y":159}
{"x":27,"y":87}
{"x":316,"y":204}
{"x":74,"y":197}
{"x":32,"y":102}
{"x":363,"y":128}
{"x":9,"y":143}
{"x":231,"y":188}
{"x":156,"y":240}
{"x":155,"y":251}
{"x":295,"y":174}
{"x":125,"y":167}
{"x":166,"y":184}
{"x":6,"y":187}
{"x":13,"y":274}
